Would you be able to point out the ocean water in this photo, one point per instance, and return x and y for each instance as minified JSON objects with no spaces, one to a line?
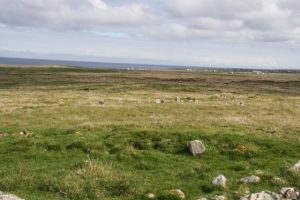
{"x":85,"y":64}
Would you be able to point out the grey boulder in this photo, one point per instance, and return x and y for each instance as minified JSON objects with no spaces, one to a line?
{"x":196,"y":147}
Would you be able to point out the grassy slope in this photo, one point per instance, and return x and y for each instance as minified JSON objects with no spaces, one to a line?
{"x":130,"y":146}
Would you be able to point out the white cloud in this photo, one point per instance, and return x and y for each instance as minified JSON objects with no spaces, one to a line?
{"x":261,"y":20}
{"x":67,"y":14}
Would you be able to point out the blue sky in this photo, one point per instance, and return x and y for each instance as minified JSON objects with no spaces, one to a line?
{"x":248,"y":33}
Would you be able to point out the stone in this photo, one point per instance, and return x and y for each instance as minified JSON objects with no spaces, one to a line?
{"x":264,"y":195}
{"x":296,"y":167}
{"x":250,"y":179}
{"x":203,"y":198}
{"x":260,"y":172}
{"x":219,"y":198}
{"x":220,"y":181}
{"x":158,"y":101}
{"x":278,"y":181}
{"x":8,"y":197}
{"x":241,"y":103}
{"x":288,"y":193}
{"x":150,"y":196}
{"x":25,"y":133}
{"x":243,"y":190}
{"x":101,"y":102}
{"x":178,"y":193}
{"x":196,"y":147}
{"x":177,"y":99}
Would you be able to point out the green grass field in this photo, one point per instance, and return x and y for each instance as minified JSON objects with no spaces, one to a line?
{"x":130,"y":146}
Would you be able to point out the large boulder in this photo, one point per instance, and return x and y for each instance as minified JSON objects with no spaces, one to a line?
{"x":250,"y":179}
{"x":220,"y":181}
{"x":196,"y":147}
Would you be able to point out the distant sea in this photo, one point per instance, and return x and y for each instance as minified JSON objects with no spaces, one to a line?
{"x":85,"y":64}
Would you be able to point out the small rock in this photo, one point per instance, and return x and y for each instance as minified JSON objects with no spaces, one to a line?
{"x":296,"y":167}
{"x":8,"y":197}
{"x":250,"y":179}
{"x":158,"y":101}
{"x":278,"y":181}
{"x":177,"y":99}
{"x":101,"y":102}
{"x":196,"y":147}
{"x":150,"y":196}
{"x":25,"y":134}
{"x":178,"y":193}
{"x":243,"y":190}
{"x":203,"y":198}
{"x":264,"y":195}
{"x":225,"y":145}
{"x":241,"y":103}
{"x":219,"y":198}
{"x":220,"y":180}
{"x":260,"y":172}
{"x":288,"y":193}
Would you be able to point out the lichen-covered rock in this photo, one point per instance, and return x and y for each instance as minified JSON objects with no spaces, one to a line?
{"x":288,"y":193}
{"x":196,"y":147}
{"x":220,"y":181}
{"x":264,"y":195}
{"x":250,"y":179}
{"x":178,"y":193}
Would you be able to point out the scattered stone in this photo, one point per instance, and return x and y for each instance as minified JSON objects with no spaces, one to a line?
{"x":288,"y":193}
{"x":243,"y":190}
{"x":225,"y":145}
{"x":177,"y":99}
{"x":250,"y":179}
{"x":296,"y":167}
{"x":3,"y":135}
{"x":8,"y":197}
{"x":241,"y":103}
{"x":278,"y":181}
{"x":78,"y":133}
{"x":196,"y":147}
{"x":158,"y":101}
{"x":219,"y":198}
{"x":264,"y":195}
{"x":150,"y":196}
{"x":260,"y":172}
{"x":178,"y":193}
{"x":220,"y":180}
{"x":101,"y":102}
{"x":25,"y":134}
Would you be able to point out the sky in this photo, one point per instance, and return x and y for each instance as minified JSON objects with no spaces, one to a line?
{"x":218,"y":33}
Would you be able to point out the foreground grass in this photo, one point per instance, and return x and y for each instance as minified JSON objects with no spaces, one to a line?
{"x":130,"y":146}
